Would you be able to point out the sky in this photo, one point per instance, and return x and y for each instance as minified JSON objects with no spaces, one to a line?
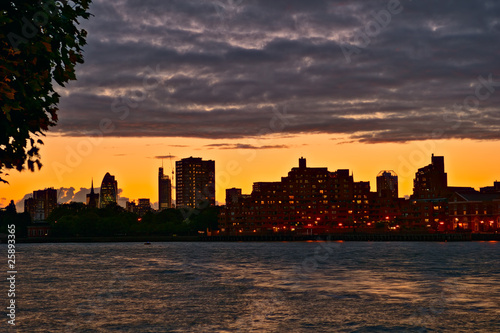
{"x":254,"y":85}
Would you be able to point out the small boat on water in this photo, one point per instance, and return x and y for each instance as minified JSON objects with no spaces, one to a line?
{"x":147,"y":243}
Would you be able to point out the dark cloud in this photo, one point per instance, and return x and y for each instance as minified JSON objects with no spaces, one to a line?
{"x":164,"y":157}
{"x":243,"y":146}
{"x":242,"y":68}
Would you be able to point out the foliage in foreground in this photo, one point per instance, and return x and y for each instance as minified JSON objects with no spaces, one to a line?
{"x":76,"y":220}
{"x":40,"y":42}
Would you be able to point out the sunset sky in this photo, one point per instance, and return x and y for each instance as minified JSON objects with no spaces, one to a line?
{"x":254,"y":85}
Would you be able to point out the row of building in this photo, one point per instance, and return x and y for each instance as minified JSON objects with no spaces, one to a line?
{"x":43,"y":202}
{"x":315,"y":201}
{"x":195,"y":183}
{"x":312,"y":201}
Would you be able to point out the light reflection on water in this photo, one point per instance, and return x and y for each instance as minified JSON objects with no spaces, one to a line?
{"x":259,"y":287}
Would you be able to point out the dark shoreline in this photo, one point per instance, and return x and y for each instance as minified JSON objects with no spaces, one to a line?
{"x":355,"y":237}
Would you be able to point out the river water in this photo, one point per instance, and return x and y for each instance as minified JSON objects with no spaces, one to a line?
{"x":258,"y":287}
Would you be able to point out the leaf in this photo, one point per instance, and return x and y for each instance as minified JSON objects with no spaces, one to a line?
{"x":47,"y":46}
{"x":70,"y":75}
{"x":27,"y":73}
{"x":14,"y":52}
{"x":10,"y":94}
{"x":72,"y":57}
{"x":7,"y":113}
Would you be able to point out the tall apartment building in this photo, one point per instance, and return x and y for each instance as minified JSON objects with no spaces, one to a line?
{"x":431,"y":181}
{"x":142,"y":207}
{"x":308,"y":199}
{"x":195,"y":183}
{"x":387,"y":184}
{"x":232,"y":195}
{"x":41,"y":204}
{"x":164,"y":191}
{"x":317,"y":201}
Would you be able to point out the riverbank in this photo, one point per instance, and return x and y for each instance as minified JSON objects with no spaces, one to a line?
{"x":363,"y":237}
{"x":116,"y":239}
{"x":355,"y":237}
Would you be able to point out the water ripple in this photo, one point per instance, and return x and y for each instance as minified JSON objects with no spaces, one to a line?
{"x":259,"y":287}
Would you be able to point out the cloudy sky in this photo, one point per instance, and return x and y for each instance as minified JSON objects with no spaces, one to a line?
{"x":224,"y":79}
{"x":372,"y":70}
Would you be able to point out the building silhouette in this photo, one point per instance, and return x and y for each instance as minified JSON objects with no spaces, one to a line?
{"x":312,"y":201}
{"x":131,"y":206}
{"x":491,"y":189}
{"x":308,"y":200}
{"x":387,"y":184}
{"x":10,"y":208}
{"x":41,"y":204}
{"x":195,"y":183}
{"x":164,"y":191}
{"x":316,"y":201}
{"x":431,"y":181}
{"x":109,"y":191}
{"x":232,"y":195}
{"x":142,"y":207}
{"x":92,"y":198}
{"x":475,"y":211}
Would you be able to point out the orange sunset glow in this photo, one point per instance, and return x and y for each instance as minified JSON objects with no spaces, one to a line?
{"x":339,"y":84}
{"x":135,"y":164}
{"x":250,"y":165}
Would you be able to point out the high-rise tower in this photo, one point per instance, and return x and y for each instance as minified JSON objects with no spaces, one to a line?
{"x":431,"y":181}
{"x":41,"y":204}
{"x":387,"y":184}
{"x":195,"y":182}
{"x":164,"y":191}
{"x":109,"y":191}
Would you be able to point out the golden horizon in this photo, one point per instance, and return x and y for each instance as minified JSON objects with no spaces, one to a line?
{"x":74,"y":161}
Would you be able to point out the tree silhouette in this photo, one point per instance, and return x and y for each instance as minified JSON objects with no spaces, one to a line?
{"x":40,"y":42}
